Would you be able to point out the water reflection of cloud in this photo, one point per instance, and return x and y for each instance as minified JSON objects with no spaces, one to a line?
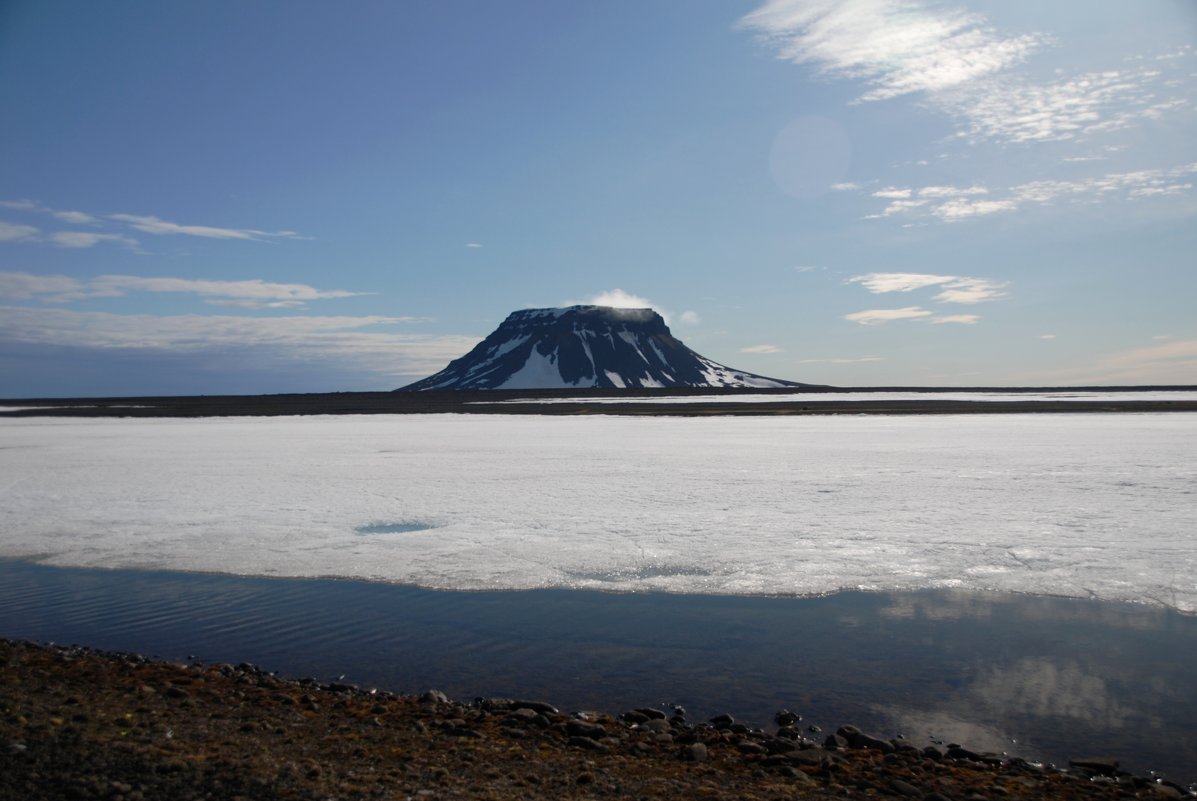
{"x":1039,"y":687}
{"x":919,"y":725}
{"x":941,"y":605}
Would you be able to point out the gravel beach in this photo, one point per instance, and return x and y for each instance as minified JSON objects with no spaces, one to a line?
{"x":81,"y":723}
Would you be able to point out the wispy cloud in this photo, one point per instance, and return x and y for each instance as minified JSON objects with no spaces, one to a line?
{"x":113,"y":228}
{"x":956,"y":62}
{"x":960,"y":319}
{"x":955,"y":288}
{"x":1070,"y":108}
{"x":879,"y":316}
{"x":87,"y":239}
{"x":473,"y":245}
{"x":615,"y":298}
{"x":159,"y":227}
{"x":895,"y":48}
{"x":855,"y":360}
{"x":251,"y":294}
{"x":954,"y":204}
{"x":343,"y":340}
{"x":761,"y":349}
{"x":10,"y":232}
{"x":689,"y":317}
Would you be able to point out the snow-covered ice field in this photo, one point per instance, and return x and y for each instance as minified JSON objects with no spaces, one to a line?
{"x":1094,"y":505}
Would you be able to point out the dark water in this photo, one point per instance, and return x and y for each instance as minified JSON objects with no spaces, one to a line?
{"x":1045,"y":678}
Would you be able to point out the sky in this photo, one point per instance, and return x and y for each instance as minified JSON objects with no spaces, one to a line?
{"x":224,"y":197}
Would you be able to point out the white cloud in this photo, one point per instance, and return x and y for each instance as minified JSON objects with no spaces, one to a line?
{"x":895,"y":47}
{"x":1047,"y":336}
{"x":47,"y":288}
{"x":857,"y":360}
{"x":75,"y":217}
{"x":143,"y":223}
{"x":879,"y":316}
{"x":971,"y":290}
{"x":761,"y":349}
{"x":960,"y":209}
{"x":963,"y":66}
{"x":252,"y":294}
{"x":10,"y":232}
{"x":956,"y":204}
{"x":689,"y":317}
{"x":951,"y":191}
{"x":615,"y":298}
{"x":962,"y":319}
{"x":1071,"y":108}
{"x":844,"y":186}
{"x":899,"y":207}
{"x":878,"y":283}
{"x":154,"y":225}
{"x":345,"y":340}
{"x":87,"y":239}
{"x":472,"y":245}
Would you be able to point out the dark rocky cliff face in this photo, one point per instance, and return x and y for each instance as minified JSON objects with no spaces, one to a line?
{"x":586,"y":346}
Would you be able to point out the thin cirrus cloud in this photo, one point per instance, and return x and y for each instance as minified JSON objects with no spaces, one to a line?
{"x":761,"y":349}
{"x":159,"y":227}
{"x":116,"y":228}
{"x":895,"y":48}
{"x":857,"y":360}
{"x":344,"y":341}
{"x":959,"y":64}
{"x":952,"y":289}
{"x":251,"y":294}
{"x":879,"y":316}
{"x":955,"y":204}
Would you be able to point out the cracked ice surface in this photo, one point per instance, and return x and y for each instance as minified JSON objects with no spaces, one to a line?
{"x":1091,"y":505}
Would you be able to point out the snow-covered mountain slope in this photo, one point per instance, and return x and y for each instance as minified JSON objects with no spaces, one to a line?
{"x":586,"y":346}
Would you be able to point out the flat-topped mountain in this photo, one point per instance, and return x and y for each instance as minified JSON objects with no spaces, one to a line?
{"x":586,"y":346}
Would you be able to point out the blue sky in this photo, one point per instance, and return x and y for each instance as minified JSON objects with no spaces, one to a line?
{"x":288,"y":196}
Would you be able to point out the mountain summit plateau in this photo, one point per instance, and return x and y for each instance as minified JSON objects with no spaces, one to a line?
{"x":586,"y":346}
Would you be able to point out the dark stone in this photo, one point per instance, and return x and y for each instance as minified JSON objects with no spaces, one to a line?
{"x":958,"y":752}
{"x":810,"y":756}
{"x":835,"y":742}
{"x":723,"y":721}
{"x":858,"y":739}
{"x":580,"y":728}
{"x":462,"y":731}
{"x":634,"y":717}
{"x":650,"y":713}
{"x":1103,"y":766}
{"x":657,"y":725}
{"x":586,"y":744}
{"x":778,"y":745}
{"x":905,"y":788}
{"x":434,"y":697}
{"x":535,"y":706}
{"x":695,"y":752}
{"x":748,"y":747}
{"x":933,"y":753}
{"x":786,"y":718}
